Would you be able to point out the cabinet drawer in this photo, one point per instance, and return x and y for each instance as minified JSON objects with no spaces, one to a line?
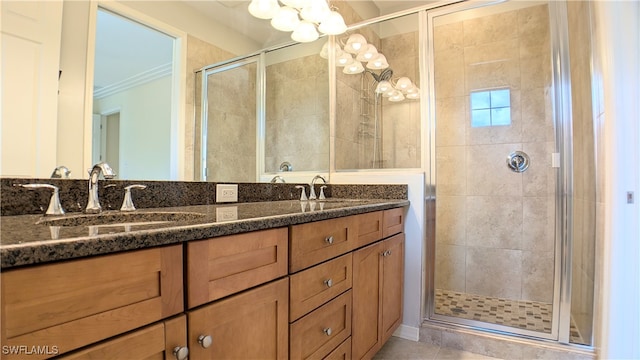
{"x":369,"y":228}
{"x":75,"y":303}
{"x":317,"y":334}
{"x":315,"y":242}
{"x":315,"y":286}
{"x":392,"y":222}
{"x":342,"y":352}
{"x":229,"y":264}
{"x":153,"y":342}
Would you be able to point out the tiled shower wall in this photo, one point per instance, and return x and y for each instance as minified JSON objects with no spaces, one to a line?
{"x":393,"y":133}
{"x":297,"y":115}
{"x":494,"y":227}
{"x":584,"y":170}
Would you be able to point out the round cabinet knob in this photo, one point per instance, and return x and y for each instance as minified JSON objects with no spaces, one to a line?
{"x":181,"y":352}
{"x":329,"y":239}
{"x":327,"y":331}
{"x":328,"y":282}
{"x":205,"y":341}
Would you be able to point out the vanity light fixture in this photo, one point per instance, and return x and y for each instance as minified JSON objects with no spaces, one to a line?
{"x":303,"y":17}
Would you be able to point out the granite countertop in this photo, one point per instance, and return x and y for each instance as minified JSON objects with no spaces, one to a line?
{"x":32,"y":239}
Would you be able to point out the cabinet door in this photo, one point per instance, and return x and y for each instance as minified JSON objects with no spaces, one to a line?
{"x":367,"y":289}
{"x":392,"y":222}
{"x":72,"y":304}
{"x":157,"y":341}
{"x":369,"y":228}
{"x":392,"y":285}
{"x":250,"y":325}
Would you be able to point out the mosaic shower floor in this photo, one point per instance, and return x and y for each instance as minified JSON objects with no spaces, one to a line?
{"x":529,"y":315}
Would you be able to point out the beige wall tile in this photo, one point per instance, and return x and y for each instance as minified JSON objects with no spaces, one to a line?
{"x":448,"y":37}
{"x":450,"y":260}
{"x":494,"y":222}
{"x":537,"y":276}
{"x":487,"y":171}
{"x":538,"y":226}
{"x":490,"y":28}
{"x":451,"y":220}
{"x":451,"y":172}
{"x":494,"y":272}
{"x":451,"y":121}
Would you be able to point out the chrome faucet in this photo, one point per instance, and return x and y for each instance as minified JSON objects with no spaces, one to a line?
{"x":93,"y":205}
{"x":312,"y":192}
{"x":60,"y":172}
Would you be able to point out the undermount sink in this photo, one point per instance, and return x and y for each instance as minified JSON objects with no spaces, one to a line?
{"x":119,"y":218}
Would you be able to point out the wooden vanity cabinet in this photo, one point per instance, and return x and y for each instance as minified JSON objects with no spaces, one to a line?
{"x":249,"y":325}
{"x":164,"y":340}
{"x":64,"y":306}
{"x":378,"y":276}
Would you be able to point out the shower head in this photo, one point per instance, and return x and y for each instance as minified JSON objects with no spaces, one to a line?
{"x":384,"y":75}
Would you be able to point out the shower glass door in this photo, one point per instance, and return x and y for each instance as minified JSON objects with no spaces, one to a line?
{"x":495,"y":183}
{"x":229,"y":122}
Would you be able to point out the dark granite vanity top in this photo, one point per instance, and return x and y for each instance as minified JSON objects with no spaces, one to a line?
{"x":34,"y":239}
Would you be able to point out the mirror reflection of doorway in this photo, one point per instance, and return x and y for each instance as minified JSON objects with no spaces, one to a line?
{"x":134,"y":68}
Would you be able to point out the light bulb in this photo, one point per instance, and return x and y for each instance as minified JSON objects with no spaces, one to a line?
{"x":403,"y":83}
{"x":305,"y":32}
{"x":354,"y":68}
{"x":383,"y":87}
{"x":380,"y":62}
{"x":414,"y":95}
{"x":285,"y":19}
{"x":397,"y":96}
{"x":355,"y":43}
{"x":315,"y":11}
{"x":263,"y":9}
{"x":333,"y":24}
{"x":344,"y":59}
{"x":367,"y":53}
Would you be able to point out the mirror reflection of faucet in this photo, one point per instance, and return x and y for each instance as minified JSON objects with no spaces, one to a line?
{"x":55,"y":208}
{"x":60,"y":172}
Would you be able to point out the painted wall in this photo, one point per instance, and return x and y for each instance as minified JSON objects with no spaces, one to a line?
{"x":145,"y":128}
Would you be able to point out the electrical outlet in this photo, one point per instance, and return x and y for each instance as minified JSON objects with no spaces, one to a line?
{"x":226,"y":193}
{"x":227,"y":213}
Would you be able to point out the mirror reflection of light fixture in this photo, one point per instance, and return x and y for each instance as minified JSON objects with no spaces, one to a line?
{"x":383,"y":86}
{"x":368,"y":53}
{"x":344,"y":59}
{"x":354,"y":68}
{"x":378,"y":63}
{"x":355,"y":43}
{"x":303,"y":17}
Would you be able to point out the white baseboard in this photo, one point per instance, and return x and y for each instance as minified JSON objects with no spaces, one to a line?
{"x":407,"y":332}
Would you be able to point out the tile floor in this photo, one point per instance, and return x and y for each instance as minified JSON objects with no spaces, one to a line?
{"x":401,"y":349}
{"x":529,"y":315}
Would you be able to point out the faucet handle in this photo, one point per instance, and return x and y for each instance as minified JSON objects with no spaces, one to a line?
{"x":303,"y":195}
{"x":127,"y":204}
{"x":55,"y":208}
{"x":321,"y":196}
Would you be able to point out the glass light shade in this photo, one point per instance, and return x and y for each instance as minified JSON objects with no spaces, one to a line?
{"x":404,"y":83}
{"x":285,"y":19}
{"x":367,"y":53}
{"x":414,"y":95}
{"x":316,"y":11}
{"x":389,"y":93}
{"x":344,"y":59}
{"x":305,"y":32}
{"x":298,"y":4}
{"x":413,"y":89}
{"x":324,"y":52}
{"x":380,"y":62}
{"x":263,"y":9}
{"x":383,"y":87}
{"x":355,"y":43}
{"x":355,"y":68}
{"x":397,"y":96}
{"x":333,"y":24}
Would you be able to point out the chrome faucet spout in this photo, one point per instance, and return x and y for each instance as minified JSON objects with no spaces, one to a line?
{"x":312,"y":192}
{"x":93,"y":204}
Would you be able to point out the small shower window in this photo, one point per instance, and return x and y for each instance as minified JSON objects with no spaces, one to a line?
{"x":491,"y":108}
